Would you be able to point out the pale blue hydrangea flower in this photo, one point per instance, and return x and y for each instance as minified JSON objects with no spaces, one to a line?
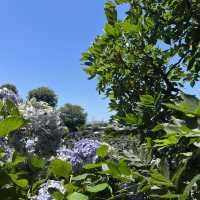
{"x":43,"y":193}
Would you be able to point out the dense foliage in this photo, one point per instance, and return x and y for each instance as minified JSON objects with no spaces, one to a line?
{"x":44,"y":94}
{"x":73,"y":116}
{"x":141,"y":63}
{"x":153,"y":50}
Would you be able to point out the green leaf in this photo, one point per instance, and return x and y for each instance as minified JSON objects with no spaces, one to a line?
{"x":123,"y":168}
{"x":70,"y":188}
{"x":37,"y":162}
{"x":1,"y":105}
{"x":92,"y":166}
{"x":12,"y":109}
{"x":58,"y":196}
{"x":10,"y":124}
{"x":20,"y":182}
{"x":147,"y":100}
{"x":60,"y":168}
{"x":102,"y":151}
{"x":177,"y":175}
{"x":159,"y":180}
{"x":170,"y":139}
{"x":133,"y":118}
{"x":166,"y":196}
{"x":164,"y":168}
{"x":97,"y":188}
{"x":16,"y":159}
{"x":130,"y":28}
{"x":190,"y":105}
{"x":80,"y":177}
{"x":113,"y":169}
{"x":110,"y":30}
{"x":77,"y":196}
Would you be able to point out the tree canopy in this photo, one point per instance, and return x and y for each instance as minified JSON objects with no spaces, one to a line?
{"x":73,"y":116}
{"x":44,"y":94}
{"x":11,"y":87}
{"x":154,"y":50}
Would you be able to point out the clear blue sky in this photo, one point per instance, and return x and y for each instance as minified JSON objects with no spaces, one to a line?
{"x":41,"y":43}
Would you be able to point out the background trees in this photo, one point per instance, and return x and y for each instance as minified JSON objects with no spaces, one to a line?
{"x":73,"y":116}
{"x":44,"y":94}
{"x":11,"y":87}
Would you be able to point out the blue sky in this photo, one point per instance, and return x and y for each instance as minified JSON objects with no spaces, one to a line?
{"x":41,"y":43}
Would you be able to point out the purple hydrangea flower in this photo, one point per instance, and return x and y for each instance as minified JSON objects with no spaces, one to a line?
{"x":84,"y":152}
{"x":86,"y":148}
{"x":6,"y":94}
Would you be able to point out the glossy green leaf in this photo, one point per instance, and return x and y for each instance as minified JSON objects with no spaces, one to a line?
{"x":123,"y":168}
{"x":17,"y":158}
{"x":97,"y":188}
{"x":37,"y":162}
{"x":92,"y":166}
{"x":102,"y":151}
{"x":58,"y":196}
{"x":10,"y":124}
{"x":20,"y":182}
{"x":60,"y":168}
{"x":77,"y":196}
{"x":80,"y":177}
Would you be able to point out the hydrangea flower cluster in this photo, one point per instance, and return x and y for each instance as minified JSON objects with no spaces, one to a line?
{"x":84,"y":152}
{"x":30,"y":145}
{"x":43,"y":193}
{"x":6,"y":94}
{"x":7,"y":151}
{"x":85,"y":149}
{"x":43,"y":135}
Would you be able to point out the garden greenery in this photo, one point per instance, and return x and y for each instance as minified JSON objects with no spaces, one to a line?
{"x":141,"y":63}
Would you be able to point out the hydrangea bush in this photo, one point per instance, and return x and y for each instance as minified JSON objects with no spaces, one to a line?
{"x":43,"y":134}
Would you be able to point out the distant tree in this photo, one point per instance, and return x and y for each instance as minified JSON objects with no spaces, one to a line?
{"x":11,"y":87}
{"x":44,"y":94}
{"x":73,"y":116}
